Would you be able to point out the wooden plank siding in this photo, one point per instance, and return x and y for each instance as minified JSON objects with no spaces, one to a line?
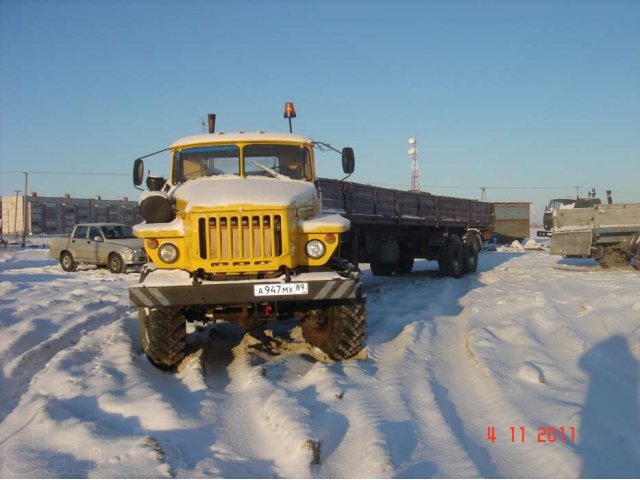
{"x":368,"y":204}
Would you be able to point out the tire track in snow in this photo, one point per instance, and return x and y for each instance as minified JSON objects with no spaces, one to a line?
{"x":262,"y":421}
{"x":31,"y":351}
{"x":26,"y":368}
{"x":411,"y":396}
{"x":473,"y":395}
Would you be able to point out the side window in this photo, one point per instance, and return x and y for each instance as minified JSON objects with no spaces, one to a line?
{"x":81,"y":232}
{"x":94,"y":232}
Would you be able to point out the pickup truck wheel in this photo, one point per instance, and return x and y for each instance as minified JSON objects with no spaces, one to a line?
{"x":67,"y":262}
{"x":338,"y":331}
{"x":163,"y":336}
{"x":451,"y":257}
{"x":116,"y":263}
{"x":470,"y":258}
{"x":380,"y":269}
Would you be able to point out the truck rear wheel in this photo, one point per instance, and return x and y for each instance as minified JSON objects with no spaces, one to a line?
{"x":451,"y":257}
{"x":163,"y":335}
{"x":67,"y":262}
{"x":338,"y":331}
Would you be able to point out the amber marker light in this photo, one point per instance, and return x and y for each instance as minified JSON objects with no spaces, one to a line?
{"x":289,"y":112}
{"x":152,"y":243}
{"x":330,"y":238}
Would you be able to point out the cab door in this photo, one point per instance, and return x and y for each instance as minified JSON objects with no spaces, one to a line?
{"x":95,"y":244}
{"x":78,"y":244}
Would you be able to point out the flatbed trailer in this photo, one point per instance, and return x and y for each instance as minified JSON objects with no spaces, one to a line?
{"x":390,"y":228}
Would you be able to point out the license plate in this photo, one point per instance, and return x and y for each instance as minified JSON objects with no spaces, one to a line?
{"x":274,"y":289}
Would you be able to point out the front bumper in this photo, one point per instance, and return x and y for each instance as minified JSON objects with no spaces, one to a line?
{"x":175,"y":288}
{"x":134,"y":258}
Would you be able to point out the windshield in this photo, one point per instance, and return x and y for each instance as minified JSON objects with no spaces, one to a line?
{"x":115,"y":232}
{"x":558,"y":202}
{"x":289,"y":160}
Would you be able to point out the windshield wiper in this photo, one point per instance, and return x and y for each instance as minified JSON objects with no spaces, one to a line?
{"x":270,"y":171}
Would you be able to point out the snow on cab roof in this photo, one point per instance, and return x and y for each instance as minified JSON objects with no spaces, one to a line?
{"x":232,"y":137}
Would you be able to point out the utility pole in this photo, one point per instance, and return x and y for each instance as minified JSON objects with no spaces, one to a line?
{"x":15,"y":216}
{"x":24,"y":209}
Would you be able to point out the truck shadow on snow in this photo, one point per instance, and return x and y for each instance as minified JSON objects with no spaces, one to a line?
{"x":607,"y":438}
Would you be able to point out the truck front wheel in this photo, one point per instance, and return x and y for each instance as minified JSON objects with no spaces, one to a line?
{"x":163,"y":335}
{"x":338,"y":331}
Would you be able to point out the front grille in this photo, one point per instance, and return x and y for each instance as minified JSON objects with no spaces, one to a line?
{"x":240,"y":239}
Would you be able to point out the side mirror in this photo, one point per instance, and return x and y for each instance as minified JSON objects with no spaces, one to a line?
{"x":348,"y":160}
{"x":138,"y":172}
{"x":98,"y":238}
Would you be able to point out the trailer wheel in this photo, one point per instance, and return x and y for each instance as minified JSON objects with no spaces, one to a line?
{"x":451,"y":257}
{"x":67,"y":262}
{"x":405,"y":265}
{"x":338,"y":331}
{"x":380,"y":269}
{"x":470,"y":258}
{"x":163,"y":336}
{"x":116,"y":263}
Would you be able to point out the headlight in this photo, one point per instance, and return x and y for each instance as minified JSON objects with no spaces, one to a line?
{"x":315,"y":249}
{"x":168,"y":253}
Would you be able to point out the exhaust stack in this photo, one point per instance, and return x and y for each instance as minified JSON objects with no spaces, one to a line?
{"x":212,"y":122}
{"x":609,"y":197}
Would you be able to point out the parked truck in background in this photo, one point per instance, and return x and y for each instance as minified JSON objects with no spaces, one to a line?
{"x":244,"y":231}
{"x":609,"y":234}
{"x":567,"y":203}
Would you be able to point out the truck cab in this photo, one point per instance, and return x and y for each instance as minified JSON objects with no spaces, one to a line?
{"x":236,"y":233}
{"x":238,"y":204}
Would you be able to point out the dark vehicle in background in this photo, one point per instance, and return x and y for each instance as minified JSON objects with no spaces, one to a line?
{"x":111,"y":245}
{"x":568,"y":202}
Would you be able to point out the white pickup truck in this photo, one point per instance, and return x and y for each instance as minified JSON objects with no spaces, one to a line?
{"x":111,"y":245}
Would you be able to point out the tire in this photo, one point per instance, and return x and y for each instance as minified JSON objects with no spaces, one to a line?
{"x":339,"y":331}
{"x":405,"y":265}
{"x":380,"y":269}
{"x":471,"y":251}
{"x":451,"y":257}
{"x":67,"y":262}
{"x":163,"y":335}
{"x":116,"y":263}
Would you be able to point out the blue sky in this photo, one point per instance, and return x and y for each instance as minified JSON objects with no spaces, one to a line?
{"x":501,"y":94}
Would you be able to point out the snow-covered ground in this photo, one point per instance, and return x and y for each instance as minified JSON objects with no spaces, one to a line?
{"x":518,"y":347}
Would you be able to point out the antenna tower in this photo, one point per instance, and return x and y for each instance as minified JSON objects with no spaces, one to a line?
{"x":415,"y":168}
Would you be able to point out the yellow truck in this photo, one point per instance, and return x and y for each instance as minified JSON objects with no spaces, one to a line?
{"x":237,"y":233}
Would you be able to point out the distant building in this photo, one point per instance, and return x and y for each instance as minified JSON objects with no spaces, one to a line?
{"x":58,"y":215}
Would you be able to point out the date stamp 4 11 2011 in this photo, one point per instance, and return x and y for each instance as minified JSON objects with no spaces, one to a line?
{"x":545,"y":434}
